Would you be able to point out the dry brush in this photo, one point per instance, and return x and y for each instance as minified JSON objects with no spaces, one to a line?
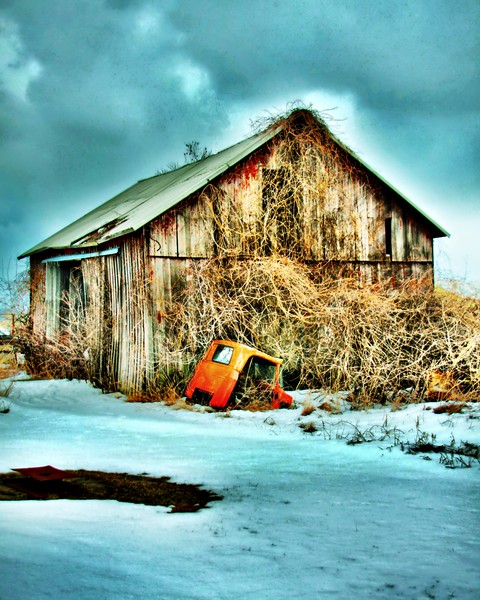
{"x":379,"y":343}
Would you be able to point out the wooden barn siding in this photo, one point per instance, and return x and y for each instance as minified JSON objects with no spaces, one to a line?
{"x":130,"y":314}
{"x":38,"y":305}
{"x":343,"y":219}
{"x":116,"y":324}
{"x":120,"y":311}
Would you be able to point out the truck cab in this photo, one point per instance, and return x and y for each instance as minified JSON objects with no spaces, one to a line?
{"x":232,"y":374}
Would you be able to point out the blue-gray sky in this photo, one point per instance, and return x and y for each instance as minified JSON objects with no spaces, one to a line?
{"x":97,"y":94}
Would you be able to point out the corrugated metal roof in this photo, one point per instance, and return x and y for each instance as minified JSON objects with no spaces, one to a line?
{"x":149,"y":198}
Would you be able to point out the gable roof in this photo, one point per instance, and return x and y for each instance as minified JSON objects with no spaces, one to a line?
{"x":149,"y":198}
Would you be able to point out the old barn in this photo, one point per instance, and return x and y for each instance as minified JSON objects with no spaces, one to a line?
{"x":292,"y":189}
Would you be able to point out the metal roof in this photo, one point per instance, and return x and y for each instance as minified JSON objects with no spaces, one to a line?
{"x":149,"y":198}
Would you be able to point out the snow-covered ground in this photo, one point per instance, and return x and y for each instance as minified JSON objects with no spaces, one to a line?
{"x":304,"y":515}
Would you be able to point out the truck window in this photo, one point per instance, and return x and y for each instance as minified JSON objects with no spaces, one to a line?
{"x":258,"y":369}
{"x":223,"y":354}
{"x":263,"y":370}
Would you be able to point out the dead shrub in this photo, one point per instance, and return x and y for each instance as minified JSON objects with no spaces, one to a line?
{"x":450,"y":408}
{"x":167,"y":387}
{"x":252,"y":396}
{"x":253,"y":405}
{"x":5,"y":389}
{"x":308,"y":409}
{"x":309,"y":427}
{"x":332,"y":334}
{"x":330,"y":407}
{"x":141,"y":397}
{"x":169,"y":384}
{"x":60,"y":358}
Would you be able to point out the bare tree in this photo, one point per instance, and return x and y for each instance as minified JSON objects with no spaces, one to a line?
{"x":14,"y":296}
{"x":194,"y":152}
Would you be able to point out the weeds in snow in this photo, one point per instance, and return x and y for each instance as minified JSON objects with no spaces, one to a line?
{"x":452,"y":455}
{"x":309,"y":427}
{"x":5,"y":390}
{"x":308,"y":409}
{"x":450,"y":408}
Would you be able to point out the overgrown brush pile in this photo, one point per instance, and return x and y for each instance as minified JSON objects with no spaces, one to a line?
{"x":375,"y":341}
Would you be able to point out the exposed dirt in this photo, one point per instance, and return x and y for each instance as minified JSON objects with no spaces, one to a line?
{"x":99,"y":485}
{"x":464,"y":449}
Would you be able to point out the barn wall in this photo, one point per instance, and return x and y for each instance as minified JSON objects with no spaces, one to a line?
{"x":331,"y":215}
{"x":128,"y":306}
{"x":38,"y":304}
{"x":98,"y":312}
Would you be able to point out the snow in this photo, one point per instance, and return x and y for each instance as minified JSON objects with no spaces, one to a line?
{"x":303,"y":515}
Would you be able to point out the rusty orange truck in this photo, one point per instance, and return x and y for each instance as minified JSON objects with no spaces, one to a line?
{"x":233,"y":374}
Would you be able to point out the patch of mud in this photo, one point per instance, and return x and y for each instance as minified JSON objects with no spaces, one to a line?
{"x":99,"y":485}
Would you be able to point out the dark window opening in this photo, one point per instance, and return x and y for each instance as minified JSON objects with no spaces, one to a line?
{"x":388,"y":236}
{"x":72,"y":305}
{"x":258,"y":370}
{"x":66,"y":297}
{"x":256,"y":381}
{"x":77,"y":294}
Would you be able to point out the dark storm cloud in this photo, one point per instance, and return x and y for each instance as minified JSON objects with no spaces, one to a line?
{"x":391,"y":54}
{"x":94,"y":99}
{"x":97,"y":94}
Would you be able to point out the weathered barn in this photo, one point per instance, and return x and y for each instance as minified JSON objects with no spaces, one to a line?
{"x":292,"y":189}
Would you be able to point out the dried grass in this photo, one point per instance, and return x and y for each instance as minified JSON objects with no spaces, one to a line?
{"x":308,"y":409}
{"x":450,"y":408}
{"x":334,"y":334}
